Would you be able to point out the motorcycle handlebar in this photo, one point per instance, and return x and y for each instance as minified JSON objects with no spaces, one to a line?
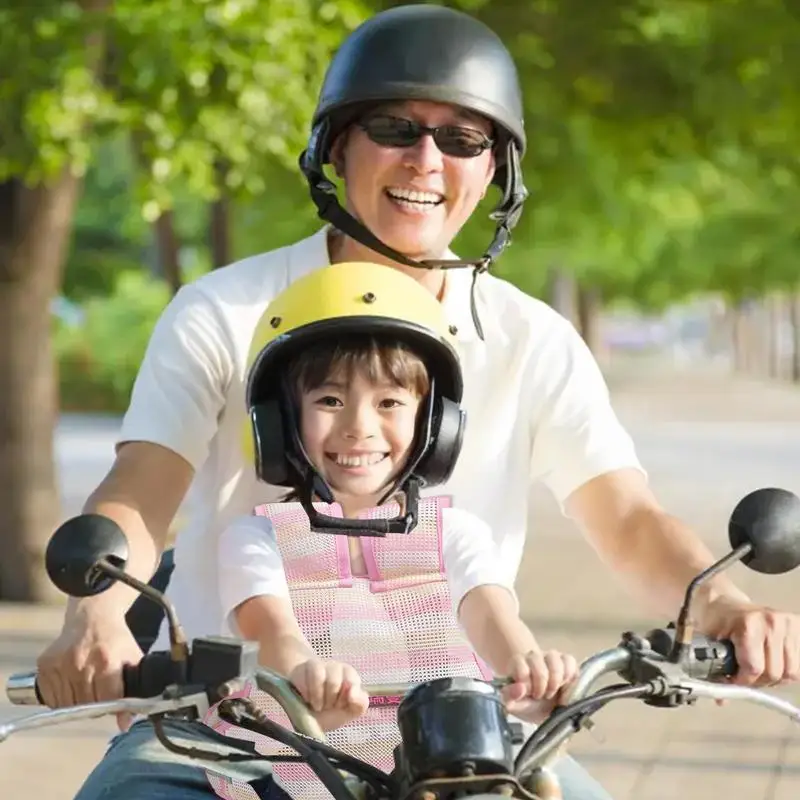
{"x":709,"y":660}
{"x":150,"y":674}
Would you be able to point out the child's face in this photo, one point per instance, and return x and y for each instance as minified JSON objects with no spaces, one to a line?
{"x":358,"y":435}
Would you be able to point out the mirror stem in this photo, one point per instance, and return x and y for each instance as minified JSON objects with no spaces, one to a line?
{"x":684,"y":629}
{"x":179,"y":647}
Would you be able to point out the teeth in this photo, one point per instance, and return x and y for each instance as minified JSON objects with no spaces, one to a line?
{"x":413,"y":196}
{"x":365,"y":460}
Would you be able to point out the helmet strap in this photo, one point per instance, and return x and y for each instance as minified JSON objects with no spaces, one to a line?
{"x":323,"y":523}
{"x":506,"y":215}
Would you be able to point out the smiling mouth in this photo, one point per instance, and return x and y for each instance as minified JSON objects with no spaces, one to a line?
{"x":360,"y":460}
{"x":411,"y":198}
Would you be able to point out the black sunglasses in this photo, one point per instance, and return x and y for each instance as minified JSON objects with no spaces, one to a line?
{"x":453,"y":140}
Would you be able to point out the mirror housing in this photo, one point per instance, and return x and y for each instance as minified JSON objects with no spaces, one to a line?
{"x":77,"y":551}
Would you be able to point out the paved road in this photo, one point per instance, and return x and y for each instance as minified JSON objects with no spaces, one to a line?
{"x":705,"y":443}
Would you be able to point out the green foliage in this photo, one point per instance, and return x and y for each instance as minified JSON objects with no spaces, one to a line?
{"x":201,"y":81}
{"x":109,"y":233}
{"x":146,"y":98}
{"x":98,"y":359}
{"x":194,"y":81}
{"x":662,"y":137}
{"x":94,"y":272}
{"x":638,"y":114}
{"x":50,"y":49}
{"x":283,"y":213}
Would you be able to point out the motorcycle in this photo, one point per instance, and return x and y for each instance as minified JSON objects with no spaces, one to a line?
{"x":456,"y":739}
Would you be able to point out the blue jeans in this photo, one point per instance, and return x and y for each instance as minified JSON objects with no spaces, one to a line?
{"x":137,"y":766}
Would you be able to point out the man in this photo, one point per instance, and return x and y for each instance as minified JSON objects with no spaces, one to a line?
{"x":420,"y":113}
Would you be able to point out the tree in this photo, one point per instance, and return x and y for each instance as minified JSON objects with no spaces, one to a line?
{"x":89,"y":69}
{"x":637,"y":111}
{"x":56,"y":55}
{"x":632,"y":108}
{"x":109,"y":234}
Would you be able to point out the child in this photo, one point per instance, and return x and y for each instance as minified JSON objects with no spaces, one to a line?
{"x":354,"y":398}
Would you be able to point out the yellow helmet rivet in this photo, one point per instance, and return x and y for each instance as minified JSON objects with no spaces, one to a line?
{"x":275,"y":321}
{"x":369,"y":297}
{"x":453,"y":330}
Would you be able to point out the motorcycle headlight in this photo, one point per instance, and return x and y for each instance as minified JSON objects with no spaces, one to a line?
{"x":452,"y":727}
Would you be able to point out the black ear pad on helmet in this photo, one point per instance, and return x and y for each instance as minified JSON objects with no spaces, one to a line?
{"x":447,"y":436}
{"x":269,"y":438}
{"x":280,"y":458}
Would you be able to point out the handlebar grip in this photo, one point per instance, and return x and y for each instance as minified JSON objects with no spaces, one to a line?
{"x":148,"y":678}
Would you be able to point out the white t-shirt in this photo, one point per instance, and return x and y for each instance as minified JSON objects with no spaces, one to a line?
{"x":537,"y":409}
{"x":250,"y":562}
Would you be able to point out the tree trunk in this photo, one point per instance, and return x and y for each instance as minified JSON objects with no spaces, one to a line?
{"x":561,"y":293}
{"x":794,"y":312}
{"x":589,"y":305}
{"x":166,"y":241}
{"x":220,"y":224}
{"x":168,"y":251}
{"x":748,"y":337}
{"x":739,"y":337}
{"x":35,"y":225}
{"x":774,"y":324}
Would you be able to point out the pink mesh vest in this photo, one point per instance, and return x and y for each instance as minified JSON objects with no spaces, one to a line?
{"x":395,"y":624}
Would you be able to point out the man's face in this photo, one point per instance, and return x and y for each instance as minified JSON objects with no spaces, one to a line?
{"x":416,"y":199}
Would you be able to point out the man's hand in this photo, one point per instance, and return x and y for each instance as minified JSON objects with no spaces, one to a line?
{"x":141,"y":493}
{"x":767,"y":641}
{"x":84,"y":664}
{"x":538,"y":681}
{"x":332,"y":690}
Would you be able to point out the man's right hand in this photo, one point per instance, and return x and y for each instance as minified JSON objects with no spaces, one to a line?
{"x":84,"y":664}
{"x":141,"y":493}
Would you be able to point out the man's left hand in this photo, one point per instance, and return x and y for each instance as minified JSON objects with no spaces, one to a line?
{"x":767,"y":641}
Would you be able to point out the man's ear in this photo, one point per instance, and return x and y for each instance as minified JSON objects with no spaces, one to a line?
{"x":338,"y":152}
{"x":490,"y":170}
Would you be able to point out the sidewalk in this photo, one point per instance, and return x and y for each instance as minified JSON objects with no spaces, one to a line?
{"x":748,"y":435}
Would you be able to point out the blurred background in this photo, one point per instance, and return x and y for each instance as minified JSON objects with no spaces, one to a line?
{"x":146,"y":142}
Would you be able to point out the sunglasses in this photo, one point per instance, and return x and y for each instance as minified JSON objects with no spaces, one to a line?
{"x":452,"y":140}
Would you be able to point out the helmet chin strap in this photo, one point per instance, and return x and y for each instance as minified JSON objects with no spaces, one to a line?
{"x":324,"y":195}
{"x":323,"y":523}
{"x":506,"y":215}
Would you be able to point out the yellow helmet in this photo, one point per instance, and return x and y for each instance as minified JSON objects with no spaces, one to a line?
{"x":337,"y":300}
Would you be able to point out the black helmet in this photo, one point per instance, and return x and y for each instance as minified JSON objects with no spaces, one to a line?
{"x":421,"y":52}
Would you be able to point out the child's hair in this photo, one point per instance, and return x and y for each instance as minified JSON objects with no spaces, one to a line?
{"x":371,"y":357}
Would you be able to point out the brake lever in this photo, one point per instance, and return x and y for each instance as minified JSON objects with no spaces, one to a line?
{"x":197,"y":702}
{"x":747,"y":693}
